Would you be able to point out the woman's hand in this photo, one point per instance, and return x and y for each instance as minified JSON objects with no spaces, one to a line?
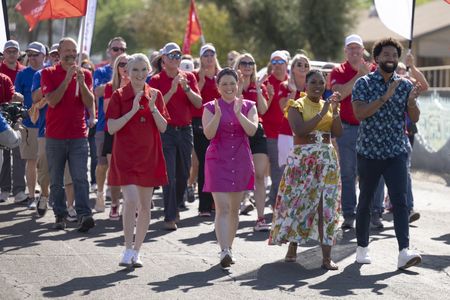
{"x":270,"y":90}
{"x":175,"y":82}
{"x":217,"y":111}
{"x":136,"y":100}
{"x":335,"y":99}
{"x":415,"y":92}
{"x":238,"y":105}
{"x":152,"y":99}
{"x":80,"y":76}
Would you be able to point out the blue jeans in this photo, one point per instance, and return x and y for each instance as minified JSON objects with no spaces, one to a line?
{"x":93,"y":155}
{"x":177,"y":147}
{"x":378,"y":201}
{"x":347,"y":156}
{"x":394,"y":173}
{"x":75,"y":151}
{"x":275,"y":171}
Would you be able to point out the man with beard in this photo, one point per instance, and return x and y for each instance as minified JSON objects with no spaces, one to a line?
{"x":380,"y":101}
{"x":66,"y":132}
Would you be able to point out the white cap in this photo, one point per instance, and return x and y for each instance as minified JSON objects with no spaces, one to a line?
{"x":54,"y":48}
{"x":11,"y":44}
{"x":170,"y":47}
{"x":36,"y":47}
{"x":187,"y":65}
{"x":207,"y":47}
{"x":354,"y":39}
{"x":281,"y":54}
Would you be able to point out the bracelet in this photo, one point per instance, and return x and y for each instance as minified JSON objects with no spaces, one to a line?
{"x":154,"y":110}
{"x":187,"y":89}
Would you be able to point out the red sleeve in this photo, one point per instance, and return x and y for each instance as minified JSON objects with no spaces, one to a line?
{"x":161,"y":106}
{"x":154,"y":82}
{"x":46,"y":82}
{"x":264,"y":91}
{"x":335,"y":76}
{"x":114,"y":110}
{"x":108,"y":91}
{"x":88,"y":79}
{"x":284,"y":90}
{"x":193,"y":83}
{"x":9,"y":89}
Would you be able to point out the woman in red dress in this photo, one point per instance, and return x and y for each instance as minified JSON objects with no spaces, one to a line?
{"x":136,"y":116}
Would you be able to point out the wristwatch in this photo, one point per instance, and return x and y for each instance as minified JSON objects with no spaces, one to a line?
{"x":187,"y":89}
{"x":154,"y":110}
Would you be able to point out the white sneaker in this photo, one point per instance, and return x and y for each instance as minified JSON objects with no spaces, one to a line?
{"x":362,"y":255}
{"x":137,"y":262}
{"x":226,"y":258}
{"x":408,"y":258}
{"x":20,"y":197}
{"x":93,"y":188}
{"x":127,"y":258}
{"x":100,"y":202}
{"x":32,"y":203}
{"x":4,"y":196}
{"x":71,"y":215}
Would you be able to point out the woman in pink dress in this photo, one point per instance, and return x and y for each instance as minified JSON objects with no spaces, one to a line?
{"x":229,"y":171}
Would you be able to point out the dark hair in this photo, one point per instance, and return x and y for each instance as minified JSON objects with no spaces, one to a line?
{"x":226,"y":71}
{"x":313,"y":72}
{"x":117,"y":38}
{"x":378,"y":46}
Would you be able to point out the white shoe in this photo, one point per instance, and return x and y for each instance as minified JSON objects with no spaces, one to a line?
{"x":408,"y":258}
{"x":137,"y":262}
{"x":93,"y":188}
{"x":71,"y":215}
{"x":100,"y":202}
{"x":42,"y":206}
{"x":226,"y":258}
{"x":4,"y":196}
{"x":20,"y":197}
{"x":362,"y":255}
{"x":32,"y":203}
{"x":127,"y":258}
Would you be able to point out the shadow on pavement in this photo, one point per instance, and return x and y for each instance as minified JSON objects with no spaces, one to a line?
{"x":445,"y":238}
{"x":87,"y":284}
{"x":188,"y":281}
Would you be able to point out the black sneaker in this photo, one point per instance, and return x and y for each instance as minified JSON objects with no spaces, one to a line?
{"x":348,"y":223}
{"x":86,"y":223}
{"x":375,"y":221}
{"x":413,"y":216}
{"x":42,"y":206}
{"x":190,"y":194}
{"x":59,"y":223}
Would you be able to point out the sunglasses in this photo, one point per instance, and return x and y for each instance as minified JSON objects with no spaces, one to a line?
{"x":299,"y":64}
{"x":122,"y":64}
{"x":208,"y":55}
{"x":277,"y":61}
{"x":32,"y":54}
{"x":172,"y":56}
{"x":247,"y":63}
{"x":117,"y":49}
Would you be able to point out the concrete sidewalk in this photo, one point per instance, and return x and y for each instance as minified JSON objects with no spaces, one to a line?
{"x":37,"y":262}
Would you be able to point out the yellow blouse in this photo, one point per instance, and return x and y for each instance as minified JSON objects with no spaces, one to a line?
{"x":310,"y":109}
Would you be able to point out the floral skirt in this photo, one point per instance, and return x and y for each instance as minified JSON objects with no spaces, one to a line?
{"x":311,"y":174}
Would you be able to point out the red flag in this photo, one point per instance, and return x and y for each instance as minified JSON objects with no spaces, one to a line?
{"x":193,"y":29}
{"x":37,"y":10}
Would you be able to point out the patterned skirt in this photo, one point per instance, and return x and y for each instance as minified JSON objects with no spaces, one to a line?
{"x":311,"y":174}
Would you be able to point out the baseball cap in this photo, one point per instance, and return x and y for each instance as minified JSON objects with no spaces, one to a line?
{"x":187,"y":65}
{"x":353,"y":39}
{"x":11,"y":44}
{"x":170,"y":47}
{"x":207,"y":47}
{"x":54,"y":48}
{"x":279,"y":53}
{"x":36,"y":47}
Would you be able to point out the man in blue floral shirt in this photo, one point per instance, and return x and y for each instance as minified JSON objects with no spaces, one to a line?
{"x":380,"y":101}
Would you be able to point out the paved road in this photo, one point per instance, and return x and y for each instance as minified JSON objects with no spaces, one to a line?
{"x":36,"y":262}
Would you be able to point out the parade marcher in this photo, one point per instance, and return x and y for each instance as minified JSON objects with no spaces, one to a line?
{"x":180,"y":91}
{"x":66,"y":132}
{"x":229,"y":170}
{"x":136,"y":115}
{"x":308,"y":201}
{"x":252,"y":89}
{"x":10,"y":67}
{"x":206,"y":77}
{"x":116,"y":46}
{"x":380,"y":101}
{"x":36,"y":53}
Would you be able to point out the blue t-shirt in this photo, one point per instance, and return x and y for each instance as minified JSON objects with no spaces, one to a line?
{"x":101,"y":76}
{"x":22,"y":85}
{"x":42,"y":112}
{"x":382,"y":135}
{"x":3,"y":124}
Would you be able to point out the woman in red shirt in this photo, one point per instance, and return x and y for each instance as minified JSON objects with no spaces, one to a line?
{"x":136,"y":116}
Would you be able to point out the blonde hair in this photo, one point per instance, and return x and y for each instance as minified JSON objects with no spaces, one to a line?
{"x":218,"y":68}
{"x":115,"y":82}
{"x":297,"y":57}
{"x":238,"y":61}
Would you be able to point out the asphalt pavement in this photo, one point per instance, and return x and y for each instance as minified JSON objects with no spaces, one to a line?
{"x":37,"y":262}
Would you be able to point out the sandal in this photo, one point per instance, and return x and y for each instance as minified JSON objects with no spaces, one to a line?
{"x":291,"y":255}
{"x":328,"y":264}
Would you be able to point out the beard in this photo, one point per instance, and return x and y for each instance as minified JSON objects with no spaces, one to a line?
{"x":388,"y":67}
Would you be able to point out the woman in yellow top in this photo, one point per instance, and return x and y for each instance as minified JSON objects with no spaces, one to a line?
{"x":308,"y":201}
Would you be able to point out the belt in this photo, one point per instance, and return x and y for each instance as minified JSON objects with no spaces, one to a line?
{"x":324,"y":138}
{"x":347,"y":123}
{"x":179,"y":127}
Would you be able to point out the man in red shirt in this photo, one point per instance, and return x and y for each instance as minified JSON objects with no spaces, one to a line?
{"x":342,"y":79}
{"x":10,"y":67}
{"x":66,"y":132}
{"x":181,"y":93}
{"x":273,"y":118}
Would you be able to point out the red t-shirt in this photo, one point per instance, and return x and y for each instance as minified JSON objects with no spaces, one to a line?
{"x":208,"y":93}
{"x":273,"y":116}
{"x":179,"y":106}
{"x":285,"y":128}
{"x":67,"y":119}
{"x":6,"y":88}
{"x":11,"y":73}
{"x":251,"y":94}
{"x":137,"y":155}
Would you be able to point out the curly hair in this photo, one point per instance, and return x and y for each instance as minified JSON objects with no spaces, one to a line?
{"x":378,"y":46}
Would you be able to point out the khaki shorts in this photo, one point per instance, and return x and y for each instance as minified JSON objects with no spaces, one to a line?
{"x":43,"y":176}
{"x":29,"y":145}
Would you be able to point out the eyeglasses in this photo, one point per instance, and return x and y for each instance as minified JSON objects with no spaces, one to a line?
{"x":247,"y":63}
{"x":32,"y":54}
{"x":277,"y":61}
{"x":122,"y":64}
{"x":172,"y":56}
{"x":117,"y":49}
{"x":208,"y":55}
{"x":299,"y":64}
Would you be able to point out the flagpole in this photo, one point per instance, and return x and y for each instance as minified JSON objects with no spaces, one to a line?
{"x":80,"y":55}
{"x":63,"y":33}
{"x":412,"y":25}
{"x":5,"y":17}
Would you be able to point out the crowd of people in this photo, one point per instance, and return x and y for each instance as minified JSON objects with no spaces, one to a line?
{"x":172,"y":121}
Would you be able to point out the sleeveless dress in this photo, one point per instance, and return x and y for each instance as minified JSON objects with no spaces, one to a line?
{"x":228,"y":161}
